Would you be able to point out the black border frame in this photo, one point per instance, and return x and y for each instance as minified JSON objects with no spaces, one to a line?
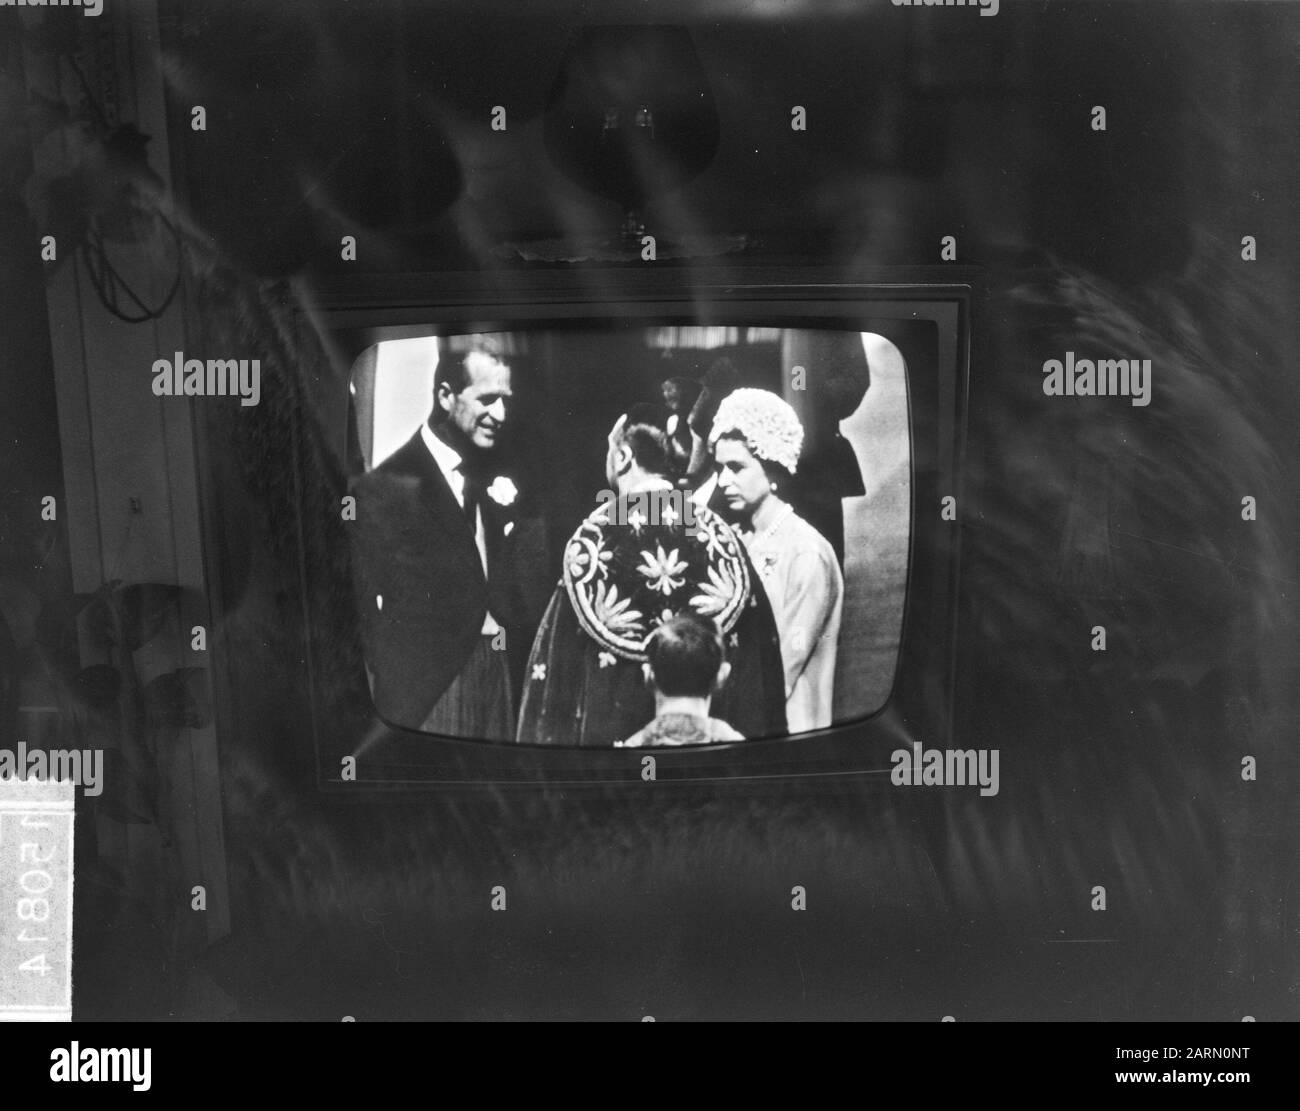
{"x":356,"y":312}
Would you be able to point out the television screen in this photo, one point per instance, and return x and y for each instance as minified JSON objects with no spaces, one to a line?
{"x":588,"y":516}
{"x":541,"y":512}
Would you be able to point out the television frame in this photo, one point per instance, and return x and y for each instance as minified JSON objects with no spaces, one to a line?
{"x":356,"y":312}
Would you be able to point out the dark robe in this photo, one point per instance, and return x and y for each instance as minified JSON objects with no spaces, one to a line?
{"x":577,"y":693}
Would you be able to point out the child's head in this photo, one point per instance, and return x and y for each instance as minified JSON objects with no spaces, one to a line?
{"x":685,"y":657}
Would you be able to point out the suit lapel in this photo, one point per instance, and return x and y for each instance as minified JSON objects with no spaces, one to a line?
{"x":444,"y":510}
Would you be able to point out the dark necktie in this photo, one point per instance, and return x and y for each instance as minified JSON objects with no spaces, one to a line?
{"x":473,"y":494}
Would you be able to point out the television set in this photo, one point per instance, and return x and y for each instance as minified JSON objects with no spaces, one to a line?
{"x":885,"y":375}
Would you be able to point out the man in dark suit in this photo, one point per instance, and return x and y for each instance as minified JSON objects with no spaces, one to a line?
{"x":431,"y":565}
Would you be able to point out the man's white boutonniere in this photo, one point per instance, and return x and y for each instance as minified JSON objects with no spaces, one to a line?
{"x":502,"y":491}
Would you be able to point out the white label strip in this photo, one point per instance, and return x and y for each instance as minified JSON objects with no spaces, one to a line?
{"x":35,"y":901}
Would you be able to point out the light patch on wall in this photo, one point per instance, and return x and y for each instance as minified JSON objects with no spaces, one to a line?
{"x":403,"y":391}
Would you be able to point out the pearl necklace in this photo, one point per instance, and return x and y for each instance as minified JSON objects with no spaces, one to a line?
{"x":781,"y":518}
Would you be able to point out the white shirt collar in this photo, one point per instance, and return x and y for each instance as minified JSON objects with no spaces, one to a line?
{"x":446,"y":456}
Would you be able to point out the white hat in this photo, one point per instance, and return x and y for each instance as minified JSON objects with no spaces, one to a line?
{"x":767,"y":424}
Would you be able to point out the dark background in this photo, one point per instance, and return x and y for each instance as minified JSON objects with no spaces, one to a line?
{"x":1119,"y":769}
